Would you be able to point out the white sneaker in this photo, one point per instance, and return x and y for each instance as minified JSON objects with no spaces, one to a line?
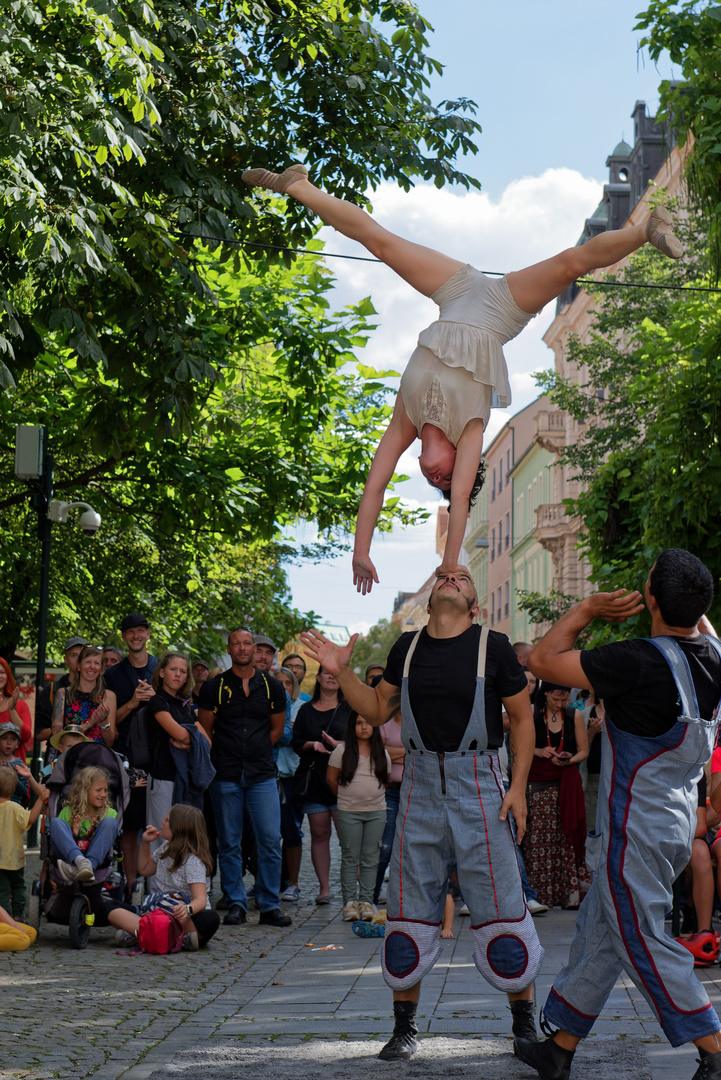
{"x":84,"y":870}
{"x":382,"y":896}
{"x":351,"y":912}
{"x":366,"y":910}
{"x":464,"y":910}
{"x":535,"y":908}
{"x":68,"y":871}
{"x":291,"y":893}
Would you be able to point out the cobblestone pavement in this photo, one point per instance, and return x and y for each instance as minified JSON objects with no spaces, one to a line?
{"x":281,"y":1001}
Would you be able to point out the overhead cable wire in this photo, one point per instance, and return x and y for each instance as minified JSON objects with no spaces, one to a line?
{"x":488,"y":273}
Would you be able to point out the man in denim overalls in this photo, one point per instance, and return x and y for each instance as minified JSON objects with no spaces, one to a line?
{"x":453,"y":807}
{"x":661,"y":698}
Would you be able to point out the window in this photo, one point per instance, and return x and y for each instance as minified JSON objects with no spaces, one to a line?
{"x":507,"y":603}
{"x":493,"y":608}
{"x":493,"y":489}
{"x":521,"y":514}
{"x":509,"y":466}
{"x":508,"y":530}
{"x":499,"y":604}
{"x":500,"y":474}
{"x":493,"y":544}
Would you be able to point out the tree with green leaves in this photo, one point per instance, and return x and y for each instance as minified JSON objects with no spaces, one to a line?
{"x":195,"y":384}
{"x":690,"y":32}
{"x":373,"y":647}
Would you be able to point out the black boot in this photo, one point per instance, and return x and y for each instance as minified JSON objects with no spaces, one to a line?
{"x":523,"y":1025}
{"x":709,"y":1066}
{"x":402,"y":1044}
{"x":550,"y":1060}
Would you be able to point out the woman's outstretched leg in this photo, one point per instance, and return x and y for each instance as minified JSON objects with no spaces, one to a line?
{"x":423,"y":268}
{"x":535,"y":286}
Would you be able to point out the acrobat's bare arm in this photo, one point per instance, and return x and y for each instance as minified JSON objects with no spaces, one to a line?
{"x":465,"y":470}
{"x":397,"y":437}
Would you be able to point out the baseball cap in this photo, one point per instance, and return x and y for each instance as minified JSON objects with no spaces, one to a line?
{"x":73,"y":641}
{"x":9,"y":729}
{"x":129,"y":622}
{"x":261,"y":639}
{"x":71,"y":729}
{"x":199,"y":660}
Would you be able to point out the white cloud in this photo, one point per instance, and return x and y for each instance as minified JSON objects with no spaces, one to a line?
{"x":535,"y":217}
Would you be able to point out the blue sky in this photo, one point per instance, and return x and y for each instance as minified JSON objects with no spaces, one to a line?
{"x":555,"y":85}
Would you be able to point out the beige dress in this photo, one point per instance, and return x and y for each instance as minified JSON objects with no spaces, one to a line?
{"x":458,"y":371}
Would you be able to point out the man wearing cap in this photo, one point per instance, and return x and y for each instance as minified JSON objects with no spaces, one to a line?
{"x":243,"y":709}
{"x":200,"y":672}
{"x":130,"y":681}
{"x":44,"y":706}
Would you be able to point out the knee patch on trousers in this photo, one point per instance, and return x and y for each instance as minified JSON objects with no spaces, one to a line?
{"x":508,"y":954}
{"x":410,"y":949}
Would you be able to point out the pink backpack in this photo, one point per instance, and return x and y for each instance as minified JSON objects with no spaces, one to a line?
{"x":160,"y":932}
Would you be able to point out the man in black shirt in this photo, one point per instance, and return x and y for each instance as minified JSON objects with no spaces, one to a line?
{"x":661,"y":697}
{"x":451,"y":681}
{"x":130,"y":682}
{"x":243,"y":710}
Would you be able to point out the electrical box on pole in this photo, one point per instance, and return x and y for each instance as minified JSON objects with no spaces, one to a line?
{"x":29,"y":451}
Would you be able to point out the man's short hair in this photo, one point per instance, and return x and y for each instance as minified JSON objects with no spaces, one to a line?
{"x":114,"y":648}
{"x":681,"y":586}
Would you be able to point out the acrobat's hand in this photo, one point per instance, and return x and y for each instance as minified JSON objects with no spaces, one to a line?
{"x":332,"y":658}
{"x":445,"y":568}
{"x":615,"y":606}
{"x":364,"y":574}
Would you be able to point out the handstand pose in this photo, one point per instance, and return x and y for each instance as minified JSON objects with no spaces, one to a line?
{"x":458,"y":371}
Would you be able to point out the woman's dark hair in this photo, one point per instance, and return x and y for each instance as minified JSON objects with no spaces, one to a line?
{"x":349,"y":761}
{"x":477,"y":485}
{"x":681,"y":586}
{"x":316,"y":689}
{"x":539,"y":701}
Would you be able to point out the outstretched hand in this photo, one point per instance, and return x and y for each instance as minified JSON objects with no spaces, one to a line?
{"x":364,"y":574}
{"x":332,"y":658}
{"x":616,"y":606}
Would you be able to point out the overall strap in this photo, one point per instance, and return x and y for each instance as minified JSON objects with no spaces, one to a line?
{"x":482,"y":647}
{"x":674,"y":656}
{"x":409,"y":655}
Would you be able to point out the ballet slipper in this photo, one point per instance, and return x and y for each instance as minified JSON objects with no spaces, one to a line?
{"x":279,"y":182}
{"x":660,"y":234}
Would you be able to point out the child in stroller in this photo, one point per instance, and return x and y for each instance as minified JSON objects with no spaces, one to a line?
{"x":78,"y":881}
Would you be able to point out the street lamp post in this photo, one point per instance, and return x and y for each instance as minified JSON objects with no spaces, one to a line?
{"x":34,"y":463}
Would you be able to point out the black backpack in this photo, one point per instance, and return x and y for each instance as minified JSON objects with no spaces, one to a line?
{"x":139,"y":744}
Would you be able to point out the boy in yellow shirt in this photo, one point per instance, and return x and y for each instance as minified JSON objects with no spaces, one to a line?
{"x":14,"y":823}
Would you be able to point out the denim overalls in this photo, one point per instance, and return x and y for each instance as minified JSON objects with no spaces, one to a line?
{"x":448,"y":819}
{"x":645,"y":824}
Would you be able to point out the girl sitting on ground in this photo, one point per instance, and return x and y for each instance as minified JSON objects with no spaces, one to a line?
{"x":358,"y":771}
{"x":181,"y":867}
{"x":458,"y":371}
{"x":84,"y":831}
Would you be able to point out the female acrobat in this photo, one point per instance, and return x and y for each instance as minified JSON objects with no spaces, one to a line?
{"x":457,"y":372}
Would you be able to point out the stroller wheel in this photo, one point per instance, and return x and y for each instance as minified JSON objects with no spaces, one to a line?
{"x":78,"y":929}
{"x":34,"y":911}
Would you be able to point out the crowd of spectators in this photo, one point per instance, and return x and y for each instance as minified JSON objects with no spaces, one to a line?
{"x":251,"y":750}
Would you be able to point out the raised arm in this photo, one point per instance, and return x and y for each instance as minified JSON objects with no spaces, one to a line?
{"x":397,"y":437}
{"x":465,"y":470}
{"x":375,"y":703}
{"x":555,"y":657}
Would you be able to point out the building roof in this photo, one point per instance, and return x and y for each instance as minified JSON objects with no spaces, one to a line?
{"x":622,"y":150}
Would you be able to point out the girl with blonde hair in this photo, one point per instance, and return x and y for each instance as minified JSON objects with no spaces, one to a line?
{"x":84,"y":831}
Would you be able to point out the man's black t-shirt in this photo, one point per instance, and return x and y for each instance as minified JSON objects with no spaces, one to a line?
{"x":162,"y":765}
{"x":442,"y":684}
{"x":637,"y":686}
{"x":242,"y":750}
{"x":123,"y":679}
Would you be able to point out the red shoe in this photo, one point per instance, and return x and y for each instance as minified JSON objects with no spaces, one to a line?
{"x":704,"y":946}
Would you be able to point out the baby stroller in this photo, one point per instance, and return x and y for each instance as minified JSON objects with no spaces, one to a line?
{"x":71,"y":903}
